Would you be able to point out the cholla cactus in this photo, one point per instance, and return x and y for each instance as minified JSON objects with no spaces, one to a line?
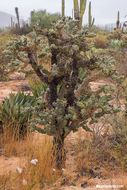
{"x":69,"y":102}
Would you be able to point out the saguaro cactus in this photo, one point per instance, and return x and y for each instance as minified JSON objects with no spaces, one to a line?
{"x":79,"y":10}
{"x":17,"y":16}
{"x":91,"y":20}
{"x":118,"y":20}
{"x":63,"y":8}
{"x":76,"y":9}
{"x":11,"y":22}
{"x":82,"y":9}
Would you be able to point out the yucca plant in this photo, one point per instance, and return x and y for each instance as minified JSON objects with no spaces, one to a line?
{"x":15,"y":113}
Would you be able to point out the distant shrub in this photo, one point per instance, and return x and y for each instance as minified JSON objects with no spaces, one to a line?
{"x":43,"y":19}
{"x":116,"y":34}
{"x":24,"y":29}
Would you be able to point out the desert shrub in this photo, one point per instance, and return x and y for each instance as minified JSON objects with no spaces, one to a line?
{"x":3,"y":60}
{"x":23,"y":30}
{"x":43,"y":19}
{"x":101,"y":41}
{"x":119,"y":139}
{"x":116,"y":34}
{"x":107,"y":149}
{"x":15,"y":113}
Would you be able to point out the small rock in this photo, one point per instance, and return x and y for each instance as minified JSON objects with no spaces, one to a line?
{"x":84,"y":184}
{"x":24,"y":182}
{"x":34,"y":161}
{"x":19,"y":170}
{"x":17,"y":76}
{"x":25,"y":88}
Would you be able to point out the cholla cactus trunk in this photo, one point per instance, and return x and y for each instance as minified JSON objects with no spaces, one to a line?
{"x":63,"y":8}
{"x":17,"y":16}
{"x":118,"y":20}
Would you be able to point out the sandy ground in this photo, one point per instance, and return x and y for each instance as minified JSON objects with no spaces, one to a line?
{"x":12,"y":87}
{"x":10,"y":164}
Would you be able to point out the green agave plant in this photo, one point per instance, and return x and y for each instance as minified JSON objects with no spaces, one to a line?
{"x":15,"y":113}
{"x":117,"y":44}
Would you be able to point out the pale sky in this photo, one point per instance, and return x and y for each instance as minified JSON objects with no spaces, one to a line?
{"x":104,"y":11}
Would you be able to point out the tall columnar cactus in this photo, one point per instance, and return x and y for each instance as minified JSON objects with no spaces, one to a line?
{"x":118,"y":20}
{"x":63,"y":8}
{"x":76,"y":9}
{"x":11,"y":22}
{"x":91,"y":20}
{"x":82,"y":9}
{"x":79,"y":10}
{"x":17,"y":16}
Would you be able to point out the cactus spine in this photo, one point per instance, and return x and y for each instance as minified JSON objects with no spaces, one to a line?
{"x":91,"y":20}
{"x":63,"y":8}
{"x":17,"y":16}
{"x":79,"y":10}
{"x":118,"y":20}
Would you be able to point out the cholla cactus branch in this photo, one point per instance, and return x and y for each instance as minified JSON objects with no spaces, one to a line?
{"x":38,"y":71}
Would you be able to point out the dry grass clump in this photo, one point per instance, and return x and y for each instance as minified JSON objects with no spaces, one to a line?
{"x":101,"y":41}
{"x":37,"y":168}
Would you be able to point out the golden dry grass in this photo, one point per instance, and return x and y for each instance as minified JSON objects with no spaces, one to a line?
{"x":33,"y":176}
{"x":101,"y":41}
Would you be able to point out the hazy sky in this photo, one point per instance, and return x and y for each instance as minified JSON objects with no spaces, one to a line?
{"x":105,"y":11}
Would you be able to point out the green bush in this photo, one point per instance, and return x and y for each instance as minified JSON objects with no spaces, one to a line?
{"x":15,"y":113}
{"x":43,"y":19}
{"x":117,"y":44}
